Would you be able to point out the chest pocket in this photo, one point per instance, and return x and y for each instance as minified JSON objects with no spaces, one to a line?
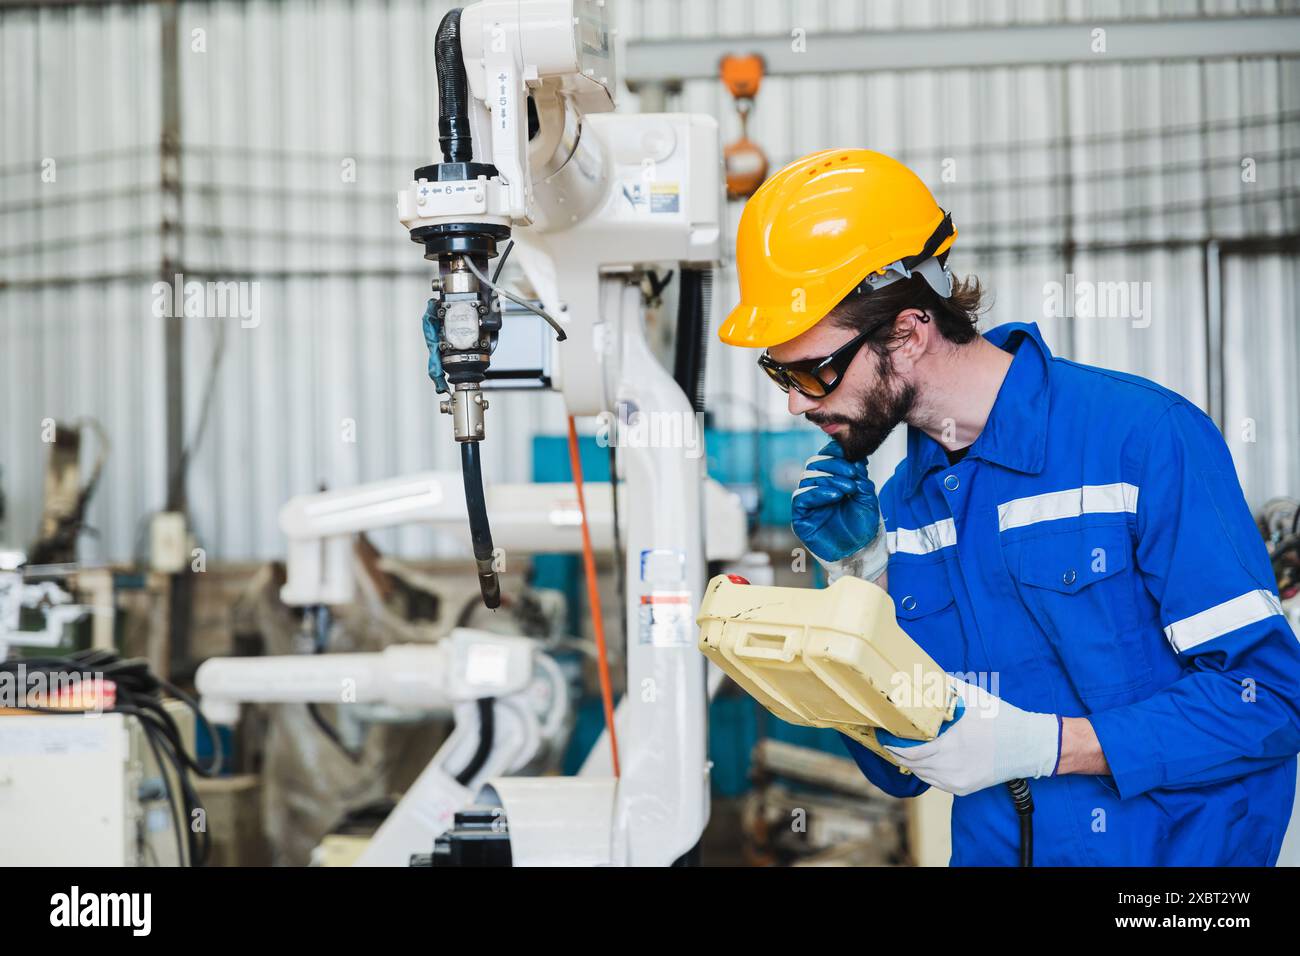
{"x":927,"y":612}
{"x":1078,"y":585}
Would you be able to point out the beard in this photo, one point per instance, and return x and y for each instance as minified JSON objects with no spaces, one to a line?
{"x":888,"y":403}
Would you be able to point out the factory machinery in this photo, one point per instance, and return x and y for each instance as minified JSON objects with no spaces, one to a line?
{"x":591,"y":204}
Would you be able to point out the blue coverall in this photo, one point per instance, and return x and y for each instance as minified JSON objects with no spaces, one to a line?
{"x":1093,"y":555}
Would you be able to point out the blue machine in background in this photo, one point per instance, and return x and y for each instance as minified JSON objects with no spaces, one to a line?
{"x":763,"y":468}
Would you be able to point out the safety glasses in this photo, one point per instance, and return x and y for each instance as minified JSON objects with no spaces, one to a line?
{"x":815,"y":377}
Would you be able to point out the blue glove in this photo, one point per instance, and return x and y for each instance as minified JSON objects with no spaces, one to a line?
{"x":431,"y":331}
{"x":834,"y":510}
{"x":886,"y":739}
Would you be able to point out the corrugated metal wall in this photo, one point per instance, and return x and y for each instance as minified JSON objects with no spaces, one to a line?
{"x":1108,"y":173}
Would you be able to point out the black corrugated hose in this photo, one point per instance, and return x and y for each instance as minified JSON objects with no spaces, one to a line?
{"x":479,"y":529}
{"x":1024,"y":802}
{"x":453,"y":92}
{"x":693,"y":301}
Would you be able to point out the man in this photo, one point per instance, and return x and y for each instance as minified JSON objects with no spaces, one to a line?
{"x":1072,"y":542}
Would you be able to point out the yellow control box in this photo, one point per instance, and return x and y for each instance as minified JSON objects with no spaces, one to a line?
{"x":832,"y":657}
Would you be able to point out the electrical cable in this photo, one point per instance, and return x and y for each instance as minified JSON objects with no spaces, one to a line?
{"x":171,"y":799}
{"x":1024,"y":803}
{"x":480,"y":531}
{"x":313,"y":708}
{"x":454,"y":131}
{"x":501,"y":262}
{"x":139,"y":694}
{"x":620,"y":561}
{"x":466,"y":613}
{"x":486,"y":734}
{"x":560,"y":334}
{"x":694,"y":299}
{"x":198,"y":842}
{"x":593,"y":597}
{"x":331,"y":732}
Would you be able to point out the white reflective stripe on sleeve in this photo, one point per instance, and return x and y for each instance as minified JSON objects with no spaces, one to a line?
{"x":1071,"y":503}
{"x":941,"y":534}
{"x":1249,"y":608}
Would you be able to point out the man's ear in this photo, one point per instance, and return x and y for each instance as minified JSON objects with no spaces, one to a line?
{"x":912,"y":328}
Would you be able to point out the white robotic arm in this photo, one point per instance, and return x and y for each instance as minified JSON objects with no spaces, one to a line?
{"x":558,"y":55}
{"x":499,"y":62}
{"x":530,"y":72}
{"x":530,"y":155}
{"x":510,"y":703}
{"x":528,"y":518}
{"x":594,"y":201}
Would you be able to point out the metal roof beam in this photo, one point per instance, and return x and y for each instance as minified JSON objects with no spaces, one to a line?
{"x":1053,"y":44}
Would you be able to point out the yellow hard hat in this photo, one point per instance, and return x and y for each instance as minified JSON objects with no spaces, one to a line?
{"x":820,"y":227}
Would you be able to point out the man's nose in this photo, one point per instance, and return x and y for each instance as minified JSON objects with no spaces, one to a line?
{"x":799,"y":403}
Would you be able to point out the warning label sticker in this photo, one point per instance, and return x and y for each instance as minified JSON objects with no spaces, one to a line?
{"x":666,"y":619}
{"x":665,"y":610}
{"x":664,"y":197}
{"x":653,"y":197}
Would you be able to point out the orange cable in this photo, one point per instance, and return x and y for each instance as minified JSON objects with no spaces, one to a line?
{"x":593,"y":595}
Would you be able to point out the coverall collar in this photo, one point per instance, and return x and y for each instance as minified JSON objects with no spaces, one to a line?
{"x":1015,"y":435}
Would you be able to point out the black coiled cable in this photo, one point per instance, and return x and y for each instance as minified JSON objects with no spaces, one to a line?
{"x":694,"y":296}
{"x":453,"y":92}
{"x":1024,"y":802}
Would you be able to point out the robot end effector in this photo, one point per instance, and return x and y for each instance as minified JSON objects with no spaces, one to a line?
{"x":462,"y":209}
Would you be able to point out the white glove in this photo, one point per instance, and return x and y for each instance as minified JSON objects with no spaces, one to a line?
{"x":988,"y":742}
{"x":867,"y":564}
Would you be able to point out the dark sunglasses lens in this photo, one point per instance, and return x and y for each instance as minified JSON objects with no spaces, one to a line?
{"x":776,"y":375}
{"x":808,"y":383}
